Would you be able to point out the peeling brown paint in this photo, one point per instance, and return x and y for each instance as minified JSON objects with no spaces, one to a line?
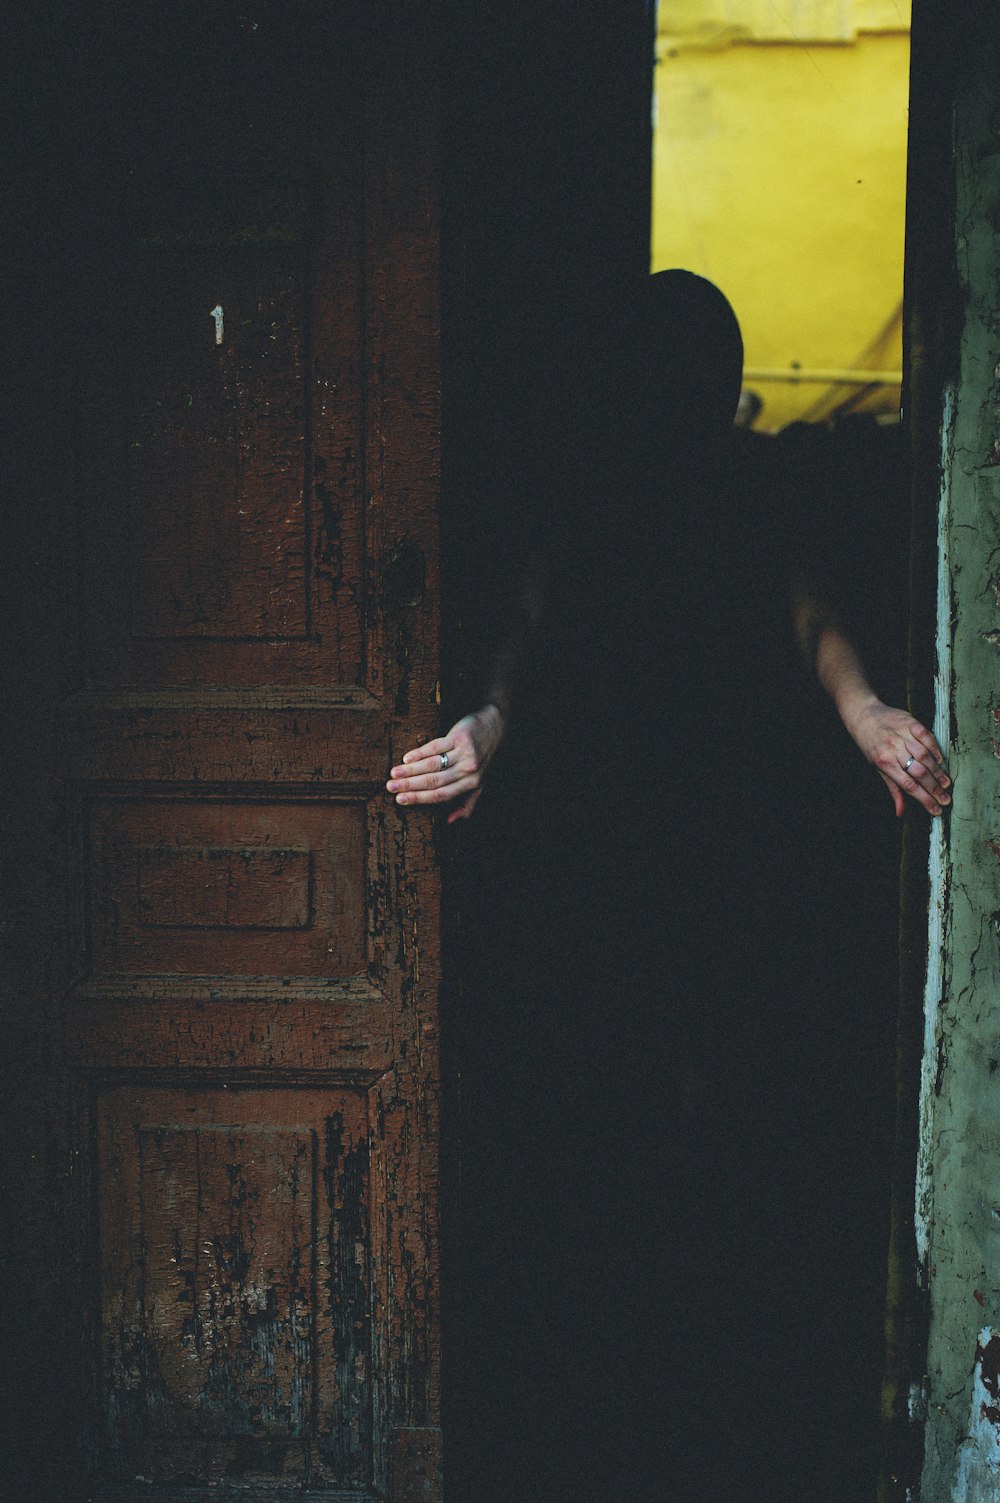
{"x":249,"y":1025}
{"x":235,"y":1303}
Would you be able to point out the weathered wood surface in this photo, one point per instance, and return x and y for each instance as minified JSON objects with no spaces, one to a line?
{"x":235,"y":1283}
{"x":241,"y":1046}
{"x":328,"y":737}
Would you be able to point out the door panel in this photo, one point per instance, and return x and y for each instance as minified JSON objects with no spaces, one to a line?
{"x":224,"y":325}
{"x":251,"y":1031}
{"x":213,"y":462}
{"x":236,"y":1304}
{"x":217,"y":887}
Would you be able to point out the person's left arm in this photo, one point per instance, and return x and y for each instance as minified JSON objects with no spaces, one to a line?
{"x":904,"y":753}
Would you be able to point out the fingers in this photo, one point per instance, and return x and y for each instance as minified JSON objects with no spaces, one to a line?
{"x":922,"y":767}
{"x":907,"y":756}
{"x":421,"y":773}
{"x":450,"y":768}
{"x":921,"y":785}
{"x":430,"y":753}
{"x":439,"y":789}
{"x":439,"y":771}
{"x":466,"y":807}
{"x":922,"y":735}
{"x":894,"y":793}
{"x":428,"y":776}
{"x":424,"y":780}
{"x":411,"y":770}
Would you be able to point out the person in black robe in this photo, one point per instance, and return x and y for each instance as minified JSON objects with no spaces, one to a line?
{"x":678,"y":541}
{"x":645,"y":685}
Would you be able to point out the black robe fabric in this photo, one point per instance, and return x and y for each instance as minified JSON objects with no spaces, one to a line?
{"x":666,"y":1034}
{"x":651,"y":745}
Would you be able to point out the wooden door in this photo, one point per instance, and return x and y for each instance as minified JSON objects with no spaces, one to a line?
{"x":249,"y":1037}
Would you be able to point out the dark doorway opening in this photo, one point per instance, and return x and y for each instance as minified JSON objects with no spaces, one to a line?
{"x":564,"y":1356}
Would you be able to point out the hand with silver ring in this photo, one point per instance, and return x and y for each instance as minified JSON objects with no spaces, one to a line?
{"x":904,"y":752}
{"x":450,"y":767}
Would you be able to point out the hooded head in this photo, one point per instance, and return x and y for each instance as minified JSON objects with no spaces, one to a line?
{"x":688,"y":363}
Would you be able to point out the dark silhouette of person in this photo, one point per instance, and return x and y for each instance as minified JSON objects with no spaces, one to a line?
{"x":662,"y":616}
{"x":670,"y":477}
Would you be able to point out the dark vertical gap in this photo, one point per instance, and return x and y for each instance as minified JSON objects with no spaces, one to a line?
{"x":546,"y":207}
{"x":46,"y":1394}
{"x":520,"y":255}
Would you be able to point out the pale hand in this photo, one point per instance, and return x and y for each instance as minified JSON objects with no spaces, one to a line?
{"x":425,"y":777}
{"x":905,"y":755}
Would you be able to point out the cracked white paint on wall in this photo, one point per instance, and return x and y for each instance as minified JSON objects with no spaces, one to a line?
{"x":978,"y":1472}
{"x":958,"y":1181}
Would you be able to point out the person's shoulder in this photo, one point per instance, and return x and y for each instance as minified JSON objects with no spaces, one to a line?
{"x":759,"y":468}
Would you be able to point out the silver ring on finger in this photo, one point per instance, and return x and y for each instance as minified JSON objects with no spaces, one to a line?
{"x":908,"y":763}
{"x":444,"y":760}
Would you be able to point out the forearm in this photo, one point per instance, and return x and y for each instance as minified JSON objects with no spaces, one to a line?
{"x":519,"y":630}
{"x":841,"y":673}
{"x":904,"y":752}
{"x":828,"y":652}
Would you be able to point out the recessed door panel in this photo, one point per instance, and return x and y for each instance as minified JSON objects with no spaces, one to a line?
{"x":235,"y":1302}
{"x":215,"y":461}
{"x":214,"y":887}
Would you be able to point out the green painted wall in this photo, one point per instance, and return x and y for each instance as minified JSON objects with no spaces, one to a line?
{"x":958,"y":1179}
